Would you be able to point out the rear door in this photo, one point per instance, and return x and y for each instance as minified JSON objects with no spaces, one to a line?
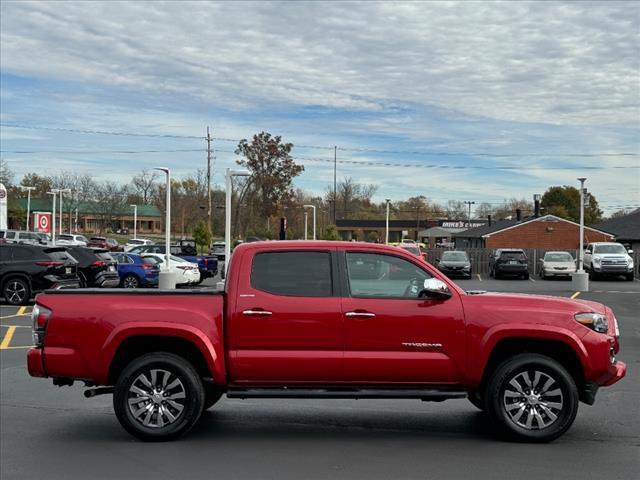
{"x":391,"y":335}
{"x":286,"y":326}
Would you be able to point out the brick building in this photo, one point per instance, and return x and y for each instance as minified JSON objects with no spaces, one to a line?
{"x":548,"y":233}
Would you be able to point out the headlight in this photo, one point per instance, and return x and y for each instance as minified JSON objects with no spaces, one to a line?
{"x":596,"y":260}
{"x":630,"y":263}
{"x":594,"y":321}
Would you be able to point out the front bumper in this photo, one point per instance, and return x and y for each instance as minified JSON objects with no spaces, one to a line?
{"x":455,"y":272}
{"x":617,"y":373}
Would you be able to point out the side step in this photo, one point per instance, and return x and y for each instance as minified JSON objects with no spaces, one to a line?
{"x":429,"y":395}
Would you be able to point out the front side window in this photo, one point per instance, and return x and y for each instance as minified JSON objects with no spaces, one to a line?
{"x":558,"y":257}
{"x":298,"y":274}
{"x":384,"y":276}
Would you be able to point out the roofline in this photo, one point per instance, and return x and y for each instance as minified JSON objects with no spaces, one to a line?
{"x":540,"y":218}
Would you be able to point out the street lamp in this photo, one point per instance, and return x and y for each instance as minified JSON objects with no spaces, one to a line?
{"x":580,"y":278}
{"x":386,"y":234}
{"x":62,"y":190}
{"x":53,"y":192}
{"x":167,"y":279}
{"x":227,"y":214}
{"x":135,"y":220}
{"x":28,"y":189}
{"x":469,"y":217}
{"x":314,"y":222}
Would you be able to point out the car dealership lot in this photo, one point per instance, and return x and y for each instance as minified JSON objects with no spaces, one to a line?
{"x":40,"y":425}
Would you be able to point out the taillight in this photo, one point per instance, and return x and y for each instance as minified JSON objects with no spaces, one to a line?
{"x":206,"y":262}
{"x":97,"y":263}
{"x":40,"y":316}
{"x":50,"y":263}
{"x":147,"y":266}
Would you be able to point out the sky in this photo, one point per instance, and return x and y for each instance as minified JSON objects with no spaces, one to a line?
{"x":480,"y":101}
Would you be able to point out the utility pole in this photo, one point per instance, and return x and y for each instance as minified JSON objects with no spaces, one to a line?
{"x":209,"y":139}
{"x":469,"y":217}
{"x":335,"y":181}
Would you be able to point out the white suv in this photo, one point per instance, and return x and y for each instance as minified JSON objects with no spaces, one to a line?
{"x":608,"y":258}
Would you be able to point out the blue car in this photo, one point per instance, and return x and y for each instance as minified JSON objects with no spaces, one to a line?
{"x":207,"y":264}
{"x":135,"y":271}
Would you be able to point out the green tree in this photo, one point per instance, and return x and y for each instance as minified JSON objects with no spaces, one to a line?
{"x":564,"y":202}
{"x":202,"y":235}
{"x":41,"y":183}
{"x":272,"y":169}
{"x":331,"y":233}
{"x":373,"y":237}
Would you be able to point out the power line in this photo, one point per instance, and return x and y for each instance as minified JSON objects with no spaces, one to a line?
{"x":85,"y":152}
{"x":100,"y":132}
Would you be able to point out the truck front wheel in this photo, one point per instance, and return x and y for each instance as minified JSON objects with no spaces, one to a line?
{"x":532,"y":397}
{"x":158,"y":396}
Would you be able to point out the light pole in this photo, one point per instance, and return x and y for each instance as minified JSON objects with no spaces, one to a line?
{"x":227,"y":214}
{"x":62,"y":190}
{"x":580,"y":278}
{"x":306,"y":228}
{"x":386,"y":233}
{"x":28,"y":189}
{"x":314,"y":220}
{"x":469,"y":217}
{"x":167,"y":279}
{"x":53,"y":192}
{"x":135,"y":220}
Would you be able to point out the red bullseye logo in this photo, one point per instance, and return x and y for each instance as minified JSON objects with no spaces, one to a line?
{"x":43,"y":223}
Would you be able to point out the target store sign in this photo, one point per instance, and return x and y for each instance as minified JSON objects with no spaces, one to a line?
{"x":43,"y":221}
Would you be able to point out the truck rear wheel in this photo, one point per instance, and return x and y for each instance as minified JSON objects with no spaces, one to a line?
{"x":532,"y":397}
{"x":158,"y":396}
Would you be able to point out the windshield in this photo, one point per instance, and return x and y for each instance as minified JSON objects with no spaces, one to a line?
{"x":558,"y":257}
{"x":619,"y":249}
{"x":454,"y":257}
{"x":136,"y":242}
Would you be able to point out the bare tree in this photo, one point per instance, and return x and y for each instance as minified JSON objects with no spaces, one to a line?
{"x":145,"y":185}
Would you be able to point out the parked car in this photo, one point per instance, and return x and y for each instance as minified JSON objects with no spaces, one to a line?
{"x":207,"y":264}
{"x":72,"y":239}
{"x":106,"y":243}
{"x":557,"y":264}
{"x":27,"y":269}
{"x":186,"y":272}
{"x":25,"y":238}
{"x":136,"y":271}
{"x":508,"y":261}
{"x":412,"y":248}
{"x":96,"y":268}
{"x":136,"y":242}
{"x":455,"y":264}
{"x":608,"y":259}
{"x":297,"y":320}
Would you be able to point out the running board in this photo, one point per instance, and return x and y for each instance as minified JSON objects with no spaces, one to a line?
{"x":428,"y":395}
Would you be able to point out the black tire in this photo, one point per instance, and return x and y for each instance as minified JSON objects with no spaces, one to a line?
{"x":525,"y":276}
{"x":212,"y":395}
{"x":476,"y":400}
{"x":629,"y":277}
{"x":180,"y":371}
{"x":83,"y":280}
{"x":500,"y":394}
{"x":16,"y":291}
{"x":130,"y":281}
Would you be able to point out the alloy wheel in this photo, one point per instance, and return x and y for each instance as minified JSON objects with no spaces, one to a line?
{"x":15,"y":292}
{"x":156,"y":398}
{"x":130,"y":282}
{"x":533,"y":400}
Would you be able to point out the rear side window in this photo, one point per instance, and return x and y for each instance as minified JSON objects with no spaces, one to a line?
{"x":513,"y":256}
{"x":61,"y":255}
{"x":298,"y":274}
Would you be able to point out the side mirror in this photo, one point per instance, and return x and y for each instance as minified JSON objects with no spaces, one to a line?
{"x":435,"y":288}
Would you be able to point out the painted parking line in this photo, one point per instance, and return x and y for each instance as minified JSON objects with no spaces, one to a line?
{"x":479,"y":277}
{"x":7,"y":338}
{"x":575,"y":295}
{"x":21,"y":311}
{"x":531,"y":278}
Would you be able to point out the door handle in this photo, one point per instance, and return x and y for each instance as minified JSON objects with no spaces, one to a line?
{"x":360,"y":314}
{"x":256,"y":312}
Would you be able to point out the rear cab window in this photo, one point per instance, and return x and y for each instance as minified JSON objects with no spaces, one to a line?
{"x":293,"y":273}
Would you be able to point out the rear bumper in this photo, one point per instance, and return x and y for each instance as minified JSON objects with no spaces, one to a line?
{"x":63,"y":284}
{"x":108,"y":280}
{"x":35,"y":362}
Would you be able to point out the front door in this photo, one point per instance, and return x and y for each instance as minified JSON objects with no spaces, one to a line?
{"x":391,"y":335}
{"x":286,"y":327}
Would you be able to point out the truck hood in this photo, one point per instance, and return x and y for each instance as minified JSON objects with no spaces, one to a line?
{"x":530,"y":308}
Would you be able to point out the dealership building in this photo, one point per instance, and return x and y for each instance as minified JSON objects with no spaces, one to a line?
{"x":91,"y":217}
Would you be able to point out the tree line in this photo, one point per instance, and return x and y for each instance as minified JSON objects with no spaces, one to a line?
{"x":268,"y":194}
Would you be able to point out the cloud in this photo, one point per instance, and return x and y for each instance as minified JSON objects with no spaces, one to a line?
{"x":553,"y":63}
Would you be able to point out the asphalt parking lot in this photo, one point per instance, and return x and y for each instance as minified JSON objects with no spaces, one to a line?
{"x":54,"y":432}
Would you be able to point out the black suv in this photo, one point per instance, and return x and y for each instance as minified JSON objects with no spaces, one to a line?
{"x":455,"y":263}
{"x":509,"y":261}
{"x":27,"y":269}
{"x":96,"y":267}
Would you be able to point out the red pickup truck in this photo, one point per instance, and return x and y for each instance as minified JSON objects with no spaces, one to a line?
{"x":327,"y":320}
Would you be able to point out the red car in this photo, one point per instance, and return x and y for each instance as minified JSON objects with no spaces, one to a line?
{"x":105,"y":243}
{"x":328,"y":320}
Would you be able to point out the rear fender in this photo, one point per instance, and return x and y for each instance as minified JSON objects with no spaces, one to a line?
{"x":212,"y":355}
